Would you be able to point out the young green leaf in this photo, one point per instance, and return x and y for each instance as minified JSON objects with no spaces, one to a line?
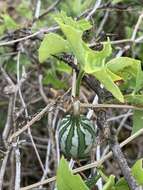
{"x":117,"y":65}
{"x":75,"y":42}
{"x":51,"y":45}
{"x":96,"y":59}
{"x":103,"y":76}
{"x":130,"y":71}
{"x":73,"y":31}
{"x":82,"y":25}
{"x":68,"y":181}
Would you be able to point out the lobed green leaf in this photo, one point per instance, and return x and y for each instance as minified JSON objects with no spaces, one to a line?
{"x":66,"y":180}
{"x":52,"y":44}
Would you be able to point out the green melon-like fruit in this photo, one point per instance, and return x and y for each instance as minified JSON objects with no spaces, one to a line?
{"x":76,"y":136}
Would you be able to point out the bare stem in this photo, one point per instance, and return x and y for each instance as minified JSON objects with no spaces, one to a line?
{"x":3,"y":168}
{"x":120,"y":159}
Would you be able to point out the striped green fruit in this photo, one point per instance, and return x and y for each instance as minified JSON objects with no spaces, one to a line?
{"x":76,"y":136}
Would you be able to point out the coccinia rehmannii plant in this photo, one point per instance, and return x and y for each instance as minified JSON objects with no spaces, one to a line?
{"x":76,"y":132}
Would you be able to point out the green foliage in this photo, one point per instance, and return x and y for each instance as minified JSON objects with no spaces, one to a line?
{"x":110,"y":183}
{"x":105,"y":77}
{"x":73,"y":31}
{"x":129,"y":70}
{"x":134,"y":99}
{"x":24,"y":10}
{"x":68,"y":181}
{"x":92,"y":62}
{"x":11,"y":63}
{"x":62,"y":67}
{"x":8,"y":23}
{"x":76,"y":6}
{"x":137,"y":171}
{"x":51,"y":78}
{"x":121,"y":184}
{"x":90,"y":182}
{"x":2,"y":29}
{"x":137,"y":120}
{"x":56,"y":45}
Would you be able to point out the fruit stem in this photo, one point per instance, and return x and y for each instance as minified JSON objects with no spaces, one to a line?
{"x":76,"y":108}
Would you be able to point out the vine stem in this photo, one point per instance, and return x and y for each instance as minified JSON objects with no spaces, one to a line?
{"x":73,"y":93}
{"x":76,"y":103}
{"x":78,"y":83}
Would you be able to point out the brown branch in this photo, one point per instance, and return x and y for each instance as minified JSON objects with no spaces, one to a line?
{"x":109,"y":134}
{"x":118,"y":106}
{"x":9,"y":121}
{"x":10,"y":90}
{"x":41,"y":31}
{"x":3,"y":168}
{"x":120,"y":159}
